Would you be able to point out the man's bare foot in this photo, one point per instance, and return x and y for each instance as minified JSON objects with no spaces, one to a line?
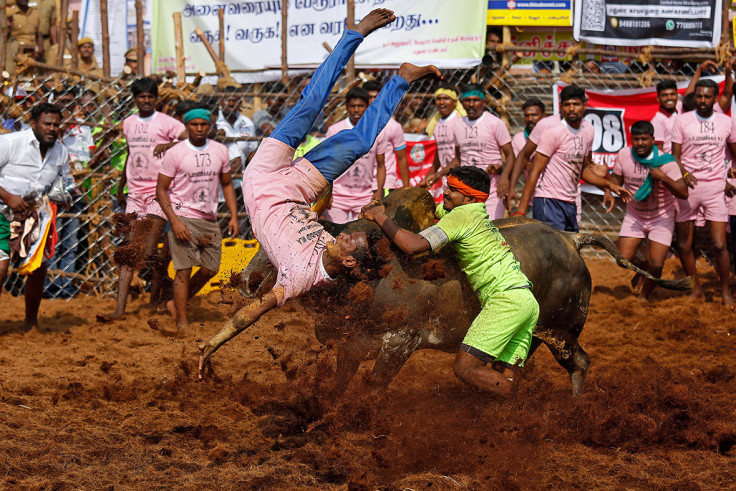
{"x":28,"y":325}
{"x":105,"y":318}
{"x":645,"y":300}
{"x":729,"y":302}
{"x":171,"y":308}
{"x":205,"y":351}
{"x":376,"y":19}
{"x":697,"y":294}
{"x":636,"y":282}
{"x":410,"y":72}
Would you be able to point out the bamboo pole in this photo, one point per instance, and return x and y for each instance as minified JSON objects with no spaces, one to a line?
{"x":351,"y":25}
{"x":74,"y":47}
{"x":181,"y":76}
{"x":221,"y":18}
{"x":140,"y":47}
{"x":63,"y":13}
{"x":60,"y":69}
{"x":224,"y":71}
{"x":105,"y":38}
{"x":725,"y":31}
{"x":3,"y":37}
{"x":284,"y":42}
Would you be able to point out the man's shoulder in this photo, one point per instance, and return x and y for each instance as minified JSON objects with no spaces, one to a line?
{"x":339,"y":126}
{"x":219,"y":147}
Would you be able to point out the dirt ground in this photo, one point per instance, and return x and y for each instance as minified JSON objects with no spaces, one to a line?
{"x":102,"y":406}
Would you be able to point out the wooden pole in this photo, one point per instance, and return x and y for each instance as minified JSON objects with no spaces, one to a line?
{"x":140,"y":47}
{"x":284,"y":50}
{"x":225,"y":71}
{"x":60,"y":69}
{"x":179,"y":40}
{"x":63,"y":13}
{"x":3,"y":36}
{"x":74,"y":47}
{"x":351,"y":25}
{"x":725,"y":25}
{"x":105,"y":39}
{"x":221,"y":18}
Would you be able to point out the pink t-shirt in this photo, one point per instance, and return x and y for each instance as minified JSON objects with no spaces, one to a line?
{"x":663,"y":123}
{"x":195,"y":173}
{"x":394,"y":133}
{"x":354,"y":188}
{"x":518,"y":142}
{"x":142,"y":135}
{"x":566,"y":149}
{"x":542,"y":126}
{"x":445,"y":138}
{"x":704,"y":144}
{"x":277,"y":191}
{"x":661,"y":202}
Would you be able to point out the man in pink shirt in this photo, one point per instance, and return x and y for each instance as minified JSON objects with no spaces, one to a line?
{"x":364,"y":180}
{"x":669,"y":108}
{"x":187,"y":190}
{"x":148,"y":132}
{"x":563,"y":156}
{"x":278,"y":190}
{"x":654,"y":180}
{"x":440,"y":128}
{"x":397,"y":167}
{"x":699,"y":140}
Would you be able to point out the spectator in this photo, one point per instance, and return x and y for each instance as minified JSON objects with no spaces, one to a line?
{"x":25,"y":35}
{"x":267,"y":119}
{"x":235,"y":124}
{"x":87,"y":61}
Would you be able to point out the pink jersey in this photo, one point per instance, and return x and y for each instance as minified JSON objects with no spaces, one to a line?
{"x":445,"y":138}
{"x":704,"y":144}
{"x":518,"y":142}
{"x":142,"y":135}
{"x":394,"y":133}
{"x":663,"y":123}
{"x":195,"y":173}
{"x":566,"y":149}
{"x":277,"y":191}
{"x":542,"y":126}
{"x":661,"y":202}
{"x":354,"y":189}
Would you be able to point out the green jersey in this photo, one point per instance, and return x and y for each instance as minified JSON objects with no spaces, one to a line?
{"x":481,"y":250}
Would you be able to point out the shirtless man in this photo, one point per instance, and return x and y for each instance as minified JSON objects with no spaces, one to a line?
{"x":278,"y":192}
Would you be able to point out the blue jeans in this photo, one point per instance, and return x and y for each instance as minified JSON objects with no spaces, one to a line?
{"x":559,"y":215}
{"x":335,"y":155}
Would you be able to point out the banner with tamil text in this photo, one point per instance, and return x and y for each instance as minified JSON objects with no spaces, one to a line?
{"x":425,"y":31}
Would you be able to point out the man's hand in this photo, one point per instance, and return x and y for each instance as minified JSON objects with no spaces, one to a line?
{"x":512,"y":199}
{"x":623,"y":193}
{"x":690,"y":180}
{"x":377,"y":195}
{"x":730,"y":190}
{"x":233,"y":227}
{"x":708,"y":65}
{"x":431,"y":179}
{"x":494,"y":169}
{"x":732,"y":173}
{"x":121,"y":198}
{"x":161,"y":149}
{"x":16,"y":203}
{"x":373,"y":211}
{"x":657,"y":174}
{"x":181,"y":231}
{"x":609,"y":201}
{"x":503,"y":187}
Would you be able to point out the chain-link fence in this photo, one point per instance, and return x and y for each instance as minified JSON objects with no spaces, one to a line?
{"x":94,"y":109}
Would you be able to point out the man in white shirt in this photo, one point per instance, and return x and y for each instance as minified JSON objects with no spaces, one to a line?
{"x":235,"y":124}
{"x":30,"y":162}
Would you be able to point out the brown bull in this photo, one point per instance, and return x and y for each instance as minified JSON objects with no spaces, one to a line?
{"x":425,"y":301}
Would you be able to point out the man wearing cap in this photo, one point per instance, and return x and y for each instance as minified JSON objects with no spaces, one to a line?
{"x":187,"y":190}
{"x":25,"y":36}
{"x":87,"y":61}
{"x":502,"y":332}
{"x":131,"y":61}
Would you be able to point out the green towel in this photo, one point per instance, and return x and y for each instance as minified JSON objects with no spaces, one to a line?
{"x":658,"y":160}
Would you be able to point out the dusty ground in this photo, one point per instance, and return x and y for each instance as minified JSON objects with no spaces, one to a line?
{"x":86,"y":405}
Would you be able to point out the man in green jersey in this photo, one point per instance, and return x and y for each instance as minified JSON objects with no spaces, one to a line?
{"x":502,"y":332}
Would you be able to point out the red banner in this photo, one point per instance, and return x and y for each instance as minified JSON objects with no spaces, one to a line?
{"x":419,"y":156}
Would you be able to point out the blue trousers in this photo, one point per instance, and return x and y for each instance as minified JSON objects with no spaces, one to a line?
{"x":335,"y":155}
{"x":559,"y":215}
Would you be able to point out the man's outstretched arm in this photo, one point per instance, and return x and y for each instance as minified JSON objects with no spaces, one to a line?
{"x":407,"y":241}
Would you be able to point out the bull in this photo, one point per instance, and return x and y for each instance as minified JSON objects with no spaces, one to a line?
{"x":425,"y":302}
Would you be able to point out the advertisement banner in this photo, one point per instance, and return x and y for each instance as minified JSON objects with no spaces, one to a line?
{"x":613,"y":112}
{"x":682,"y":23}
{"x":543,"y":13}
{"x":425,"y":31}
{"x":557,"y":41}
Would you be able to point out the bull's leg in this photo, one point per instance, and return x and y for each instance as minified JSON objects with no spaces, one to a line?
{"x":397,"y":348}
{"x":570,"y":355}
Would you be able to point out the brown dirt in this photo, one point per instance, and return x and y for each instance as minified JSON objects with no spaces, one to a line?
{"x":383,"y":247}
{"x":123,"y":224}
{"x":360,"y":293}
{"x":433,"y":269}
{"x":92,"y":406}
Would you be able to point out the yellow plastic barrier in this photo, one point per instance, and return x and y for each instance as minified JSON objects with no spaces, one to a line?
{"x":236,"y":254}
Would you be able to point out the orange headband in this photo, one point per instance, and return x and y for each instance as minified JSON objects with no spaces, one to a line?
{"x":466,"y":190}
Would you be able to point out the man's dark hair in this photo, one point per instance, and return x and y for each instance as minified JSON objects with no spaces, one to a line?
{"x":230,"y":90}
{"x":469,"y":87}
{"x":688,"y":102}
{"x":275,"y":87}
{"x":707,"y":83}
{"x":142,"y":85}
{"x":534,"y":102}
{"x":44,"y":108}
{"x":666,"y":85}
{"x":642,"y":128}
{"x":448,"y":86}
{"x":184,"y":107}
{"x":72,"y":90}
{"x":212,"y":104}
{"x":358,"y":93}
{"x":572,"y":92}
{"x":372,"y":85}
{"x":472,"y":176}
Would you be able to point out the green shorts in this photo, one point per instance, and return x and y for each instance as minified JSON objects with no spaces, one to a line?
{"x":502,"y":332}
{"x":4,"y":238}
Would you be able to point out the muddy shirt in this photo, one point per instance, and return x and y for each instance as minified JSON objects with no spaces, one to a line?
{"x":481,"y":250}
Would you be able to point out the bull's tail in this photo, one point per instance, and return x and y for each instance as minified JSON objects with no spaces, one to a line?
{"x":582,"y":240}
